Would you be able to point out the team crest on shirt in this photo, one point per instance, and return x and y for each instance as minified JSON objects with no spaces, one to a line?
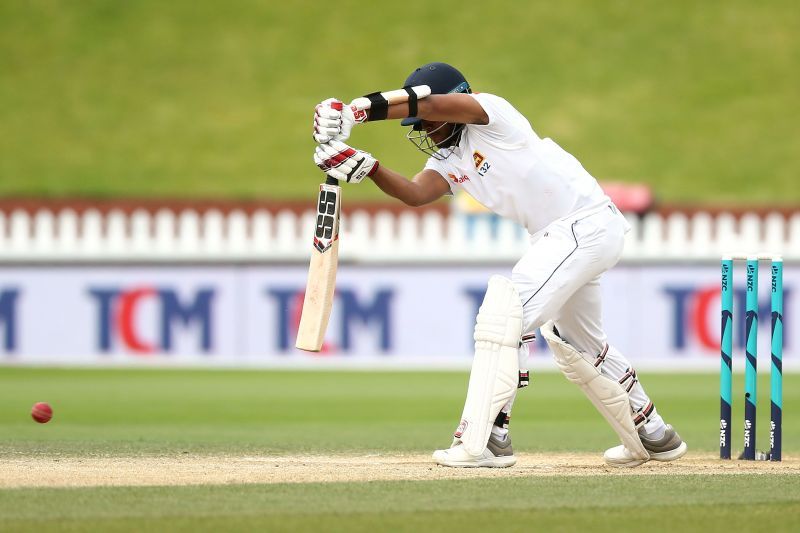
{"x":481,"y":164}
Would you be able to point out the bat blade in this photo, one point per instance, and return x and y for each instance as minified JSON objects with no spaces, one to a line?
{"x":318,"y":300}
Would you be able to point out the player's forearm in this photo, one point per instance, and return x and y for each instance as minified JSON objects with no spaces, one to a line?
{"x":398,"y":186}
{"x":458,"y":108}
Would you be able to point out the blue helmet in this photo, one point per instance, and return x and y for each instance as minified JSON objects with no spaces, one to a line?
{"x":441,"y":78}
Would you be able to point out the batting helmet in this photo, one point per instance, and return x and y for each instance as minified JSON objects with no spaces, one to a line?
{"x":441,"y":78}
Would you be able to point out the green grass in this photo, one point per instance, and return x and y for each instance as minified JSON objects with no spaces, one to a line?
{"x":598,"y":503}
{"x":202,"y":99}
{"x":145,"y":412}
{"x":171,"y":411}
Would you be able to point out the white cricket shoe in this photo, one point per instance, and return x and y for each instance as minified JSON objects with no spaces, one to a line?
{"x":497,"y":454}
{"x":619,"y":456}
{"x":668,"y":448}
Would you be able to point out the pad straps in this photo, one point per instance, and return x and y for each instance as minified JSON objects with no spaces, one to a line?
{"x":628,"y":380}
{"x":642,"y":416}
{"x":601,"y":357}
{"x":502,"y":420}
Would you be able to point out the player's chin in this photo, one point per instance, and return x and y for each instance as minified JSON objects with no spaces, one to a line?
{"x":446,"y":138}
{"x":440,"y":138}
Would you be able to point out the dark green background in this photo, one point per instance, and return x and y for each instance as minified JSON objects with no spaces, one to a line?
{"x":214,"y":99}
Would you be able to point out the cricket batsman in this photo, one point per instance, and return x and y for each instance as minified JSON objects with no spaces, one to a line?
{"x":479,"y":143}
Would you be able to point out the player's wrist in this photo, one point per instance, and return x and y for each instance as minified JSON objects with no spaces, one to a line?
{"x":374,"y":169}
{"x":379,"y":105}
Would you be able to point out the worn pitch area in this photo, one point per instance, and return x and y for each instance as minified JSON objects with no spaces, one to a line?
{"x":219,"y":470}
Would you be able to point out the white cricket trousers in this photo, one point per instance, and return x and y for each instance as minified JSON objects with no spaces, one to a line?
{"x":559,"y":279}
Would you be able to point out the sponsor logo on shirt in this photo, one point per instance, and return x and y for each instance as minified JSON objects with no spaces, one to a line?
{"x":458,"y":179}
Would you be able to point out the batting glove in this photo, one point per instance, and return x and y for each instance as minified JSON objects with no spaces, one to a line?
{"x":327,"y":120}
{"x":344,"y":163}
{"x":334,"y":120}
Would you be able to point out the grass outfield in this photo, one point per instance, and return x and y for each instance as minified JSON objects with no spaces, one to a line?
{"x":687,"y":503}
{"x":172,"y":411}
{"x":212,"y":100}
{"x":169,"y":413}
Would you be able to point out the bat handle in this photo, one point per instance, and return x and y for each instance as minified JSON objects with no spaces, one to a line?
{"x":331,"y":181}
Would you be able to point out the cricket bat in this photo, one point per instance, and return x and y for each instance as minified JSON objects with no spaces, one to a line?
{"x":318,"y":300}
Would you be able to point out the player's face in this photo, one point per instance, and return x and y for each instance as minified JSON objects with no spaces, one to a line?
{"x":431,"y":137}
{"x":437,"y":131}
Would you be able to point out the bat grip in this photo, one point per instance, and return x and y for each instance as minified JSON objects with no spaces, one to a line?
{"x":331,"y":181}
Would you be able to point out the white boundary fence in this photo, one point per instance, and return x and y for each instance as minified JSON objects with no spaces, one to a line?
{"x":187,"y":235}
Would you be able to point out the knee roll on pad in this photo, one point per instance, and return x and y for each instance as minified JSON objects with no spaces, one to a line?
{"x":495,"y":368}
{"x":606,"y":394}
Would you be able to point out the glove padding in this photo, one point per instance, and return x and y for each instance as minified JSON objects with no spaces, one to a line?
{"x":334,"y":120}
{"x":342,"y":162}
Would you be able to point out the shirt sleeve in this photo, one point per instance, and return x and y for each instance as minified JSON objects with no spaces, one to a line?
{"x":507,"y":128}
{"x":443,"y":169}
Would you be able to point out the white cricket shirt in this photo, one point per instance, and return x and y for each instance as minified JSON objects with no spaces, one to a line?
{"x":506,"y":167}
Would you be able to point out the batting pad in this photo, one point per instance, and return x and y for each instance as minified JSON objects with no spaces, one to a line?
{"x":495,"y":367}
{"x":606,"y":394}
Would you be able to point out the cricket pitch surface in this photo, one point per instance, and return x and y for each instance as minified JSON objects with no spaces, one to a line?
{"x":224,"y":470}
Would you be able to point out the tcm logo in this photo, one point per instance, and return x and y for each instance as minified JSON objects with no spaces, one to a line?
{"x":696,"y":315}
{"x":354,"y":317}
{"x":8,"y":319}
{"x":145,"y":320}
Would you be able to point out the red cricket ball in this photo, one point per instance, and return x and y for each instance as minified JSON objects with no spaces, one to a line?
{"x":42,"y":412}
